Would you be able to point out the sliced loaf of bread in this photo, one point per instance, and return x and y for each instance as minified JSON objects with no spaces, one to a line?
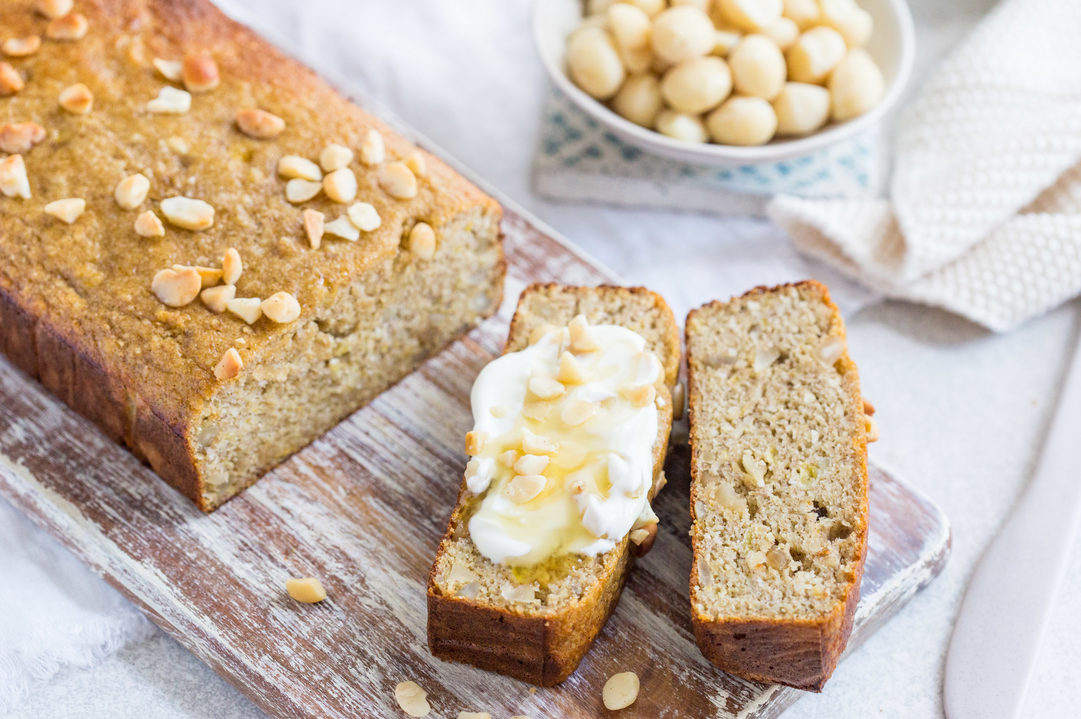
{"x":536,"y":623}
{"x":779,"y":484}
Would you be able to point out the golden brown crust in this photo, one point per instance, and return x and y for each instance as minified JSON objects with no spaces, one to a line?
{"x":544,"y":649}
{"x":75,"y":306}
{"x":795,"y":652}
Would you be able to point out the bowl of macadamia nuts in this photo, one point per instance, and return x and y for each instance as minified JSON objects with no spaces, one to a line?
{"x":729,"y":82}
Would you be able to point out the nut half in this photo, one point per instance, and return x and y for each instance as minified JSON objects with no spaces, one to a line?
{"x":259,"y":124}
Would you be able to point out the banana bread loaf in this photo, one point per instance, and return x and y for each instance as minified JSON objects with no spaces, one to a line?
{"x":536,"y":622}
{"x":208,"y":251}
{"x":779,"y":484}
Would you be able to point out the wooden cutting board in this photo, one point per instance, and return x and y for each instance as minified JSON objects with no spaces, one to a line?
{"x":363,"y":509}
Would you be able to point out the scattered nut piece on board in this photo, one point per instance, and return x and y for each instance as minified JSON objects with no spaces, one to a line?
{"x":199,"y":72}
{"x":67,"y":210}
{"x":72,"y":26}
{"x":398,"y":181}
{"x":13,"y":179}
{"x":373,"y":151}
{"x":259,"y":124}
{"x":308,"y":590}
{"x":474,"y":715}
{"x":335,"y":157}
{"x":53,"y":9}
{"x":21,"y":46}
{"x":77,"y":99}
{"x":246,"y":308}
{"x":412,"y":699}
{"x":172,"y":70}
{"x":620,"y":691}
{"x":187,"y":213}
{"x":170,"y":101}
{"x":148,"y":224}
{"x":871,"y":427}
{"x":132,"y":190}
{"x":422,"y":241}
{"x":10,"y":79}
{"x":217,"y":298}
{"x":281,"y":307}
{"x":642,"y":539}
{"x":16,"y":138}
{"x":313,"y":226}
{"x":176,"y":289}
{"x":231,"y":266}
{"x":229,"y":367}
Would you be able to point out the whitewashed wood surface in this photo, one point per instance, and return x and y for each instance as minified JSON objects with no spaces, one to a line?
{"x":363,"y":509}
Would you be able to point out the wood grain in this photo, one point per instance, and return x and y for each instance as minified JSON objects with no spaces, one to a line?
{"x":363,"y":509}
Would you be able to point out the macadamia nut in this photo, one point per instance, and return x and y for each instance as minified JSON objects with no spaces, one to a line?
{"x":846,"y":17}
{"x":726,"y":42}
{"x":783,"y":32}
{"x":758,"y":67}
{"x":814,"y":55}
{"x":801,"y":108}
{"x":639,"y":100}
{"x":750,"y":15}
{"x":594,"y":64}
{"x":681,"y":33}
{"x":697,"y":85}
{"x":681,"y":126}
{"x":629,"y":25}
{"x":743,"y":121}
{"x":856,"y":85}
{"x":804,"y":13}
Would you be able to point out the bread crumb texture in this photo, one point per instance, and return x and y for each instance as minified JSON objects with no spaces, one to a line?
{"x":370,"y":310}
{"x":778,"y":457}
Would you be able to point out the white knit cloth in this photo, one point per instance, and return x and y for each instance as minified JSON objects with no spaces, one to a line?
{"x":984,"y":217}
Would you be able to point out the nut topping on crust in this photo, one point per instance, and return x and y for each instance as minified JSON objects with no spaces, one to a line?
{"x":341,"y":185}
{"x":335,"y":157}
{"x":298,"y":190}
{"x":176,"y":289}
{"x":170,"y":101}
{"x":210,"y":275}
{"x":187,"y":213}
{"x":10,"y":79}
{"x":53,"y":9}
{"x":172,"y":70}
{"x":216,"y":298}
{"x":373,"y":151}
{"x":292,"y":166}
{"x":72,"y":26}
{"x":342,"y":228}
{"x":13,"y":179}
{"x":77,"y":99}
{"x":398,"y":181}
{"x":313,"y":226}
{"x":364,"y":217}
{"x":67,"y":210}
{"x":259,"y":124}
{"x":620,"y":691}
{"x":148,"y":225}
{"x":131,"y":191}
{"x":231,"y":266}
{"x":281,"y":307}
{"x":199,"y":72}
{"x":412,"y":699}
{"x":229,"y":367}
{"x":246,"y":308}
{"x":21,"y":46}
{"x":422,"y":241}
{"x":417,"y":164}
{"x":20,"y":137}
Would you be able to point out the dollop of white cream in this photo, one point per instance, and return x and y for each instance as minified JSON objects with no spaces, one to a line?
{"x":598,"y":480}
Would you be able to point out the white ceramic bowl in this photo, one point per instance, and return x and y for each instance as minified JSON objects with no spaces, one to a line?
{"x":891,"y":45}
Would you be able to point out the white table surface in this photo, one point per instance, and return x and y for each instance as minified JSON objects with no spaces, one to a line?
{"x":962,"y":412}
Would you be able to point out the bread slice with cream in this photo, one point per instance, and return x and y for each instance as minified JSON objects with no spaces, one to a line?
{"x":555,"y":500}
{"x":778,"y":439}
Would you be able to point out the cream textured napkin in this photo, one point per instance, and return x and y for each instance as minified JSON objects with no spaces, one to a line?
{"x":984,"y":217}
